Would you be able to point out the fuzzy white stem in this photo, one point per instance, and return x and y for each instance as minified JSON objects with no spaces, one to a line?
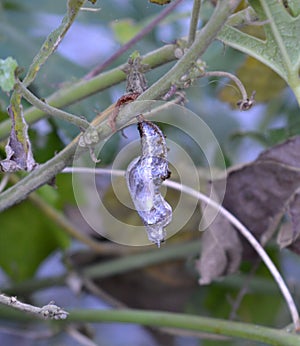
{"x":51,"y":310}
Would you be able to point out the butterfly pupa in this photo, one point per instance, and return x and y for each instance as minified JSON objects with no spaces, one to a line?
{"x":145,"y":175}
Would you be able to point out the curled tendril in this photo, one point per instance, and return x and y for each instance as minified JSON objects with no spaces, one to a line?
{"x":144,"y":176}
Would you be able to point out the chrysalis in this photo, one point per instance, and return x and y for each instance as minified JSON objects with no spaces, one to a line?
{"x":144,"y":176}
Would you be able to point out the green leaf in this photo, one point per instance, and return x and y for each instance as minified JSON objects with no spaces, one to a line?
{"x":27,"y":237}
{"x":7,"y":73}
{"x":280,"y":50}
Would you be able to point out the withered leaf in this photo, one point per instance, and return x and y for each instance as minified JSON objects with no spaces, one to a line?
{"x":221,"y":251}
{"x":18,"y":148}
{"x":260,"y":191}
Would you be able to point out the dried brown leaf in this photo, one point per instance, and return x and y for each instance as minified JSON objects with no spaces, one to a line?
{"x":260,"y":191}
{"x":18,"y":148}
{"x":221,"y":251}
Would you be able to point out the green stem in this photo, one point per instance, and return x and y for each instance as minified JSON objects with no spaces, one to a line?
{"x":194,"y":22}
{"x":53,"y":40}
{"x":85,"y":88}
{"x":113,"y":267}
{"x":48,"y":170}
{"x":201,"y":43}
{"x":188,"y":322}
{"x":138,"y":261}
{"x":55,"y":112}
{"x":234,"y":78}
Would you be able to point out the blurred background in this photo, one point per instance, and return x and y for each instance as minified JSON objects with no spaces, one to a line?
{"x":33,"y":247}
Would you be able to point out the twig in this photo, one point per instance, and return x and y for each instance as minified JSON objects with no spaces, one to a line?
{"x":165,"y":54}
{"x":134,"y":40}
{"x":202,"y":40}
{"x":247,"y":102}
{"x":194,"y":22}
{"x":55,"y":112}
{"x":48,"y":170}
{"x":234,"y":221}
{"x":50,"y":310}
{"x":231,"y":76}
{"x":82,"y":89}
{"x":53,"y":40}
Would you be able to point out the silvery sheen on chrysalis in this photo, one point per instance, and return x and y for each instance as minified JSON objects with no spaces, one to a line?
{"x":145,"y":175}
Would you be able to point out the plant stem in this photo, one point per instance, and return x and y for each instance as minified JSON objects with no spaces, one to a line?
{"x":18,"y":125}
{"x":163,"y":14}
{"x":45,"y":172}
{"x":53,"y":40}
{"x":121,"y":265}
{"x":234,"y":78}
{"x":83,"y":89}
{"x":55,"y":112}
{"x":202,"y":41}
{"x":37,"y":177}
{"x":194,"y":21}
{"x":48,"y":170}
{"x":48,"y":311}
{"x":188,"y":322}
{"x":113,"y":267}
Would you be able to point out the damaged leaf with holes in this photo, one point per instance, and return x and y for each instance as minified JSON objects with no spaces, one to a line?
{"x":18,"y":151}
{"x":264,"y":195}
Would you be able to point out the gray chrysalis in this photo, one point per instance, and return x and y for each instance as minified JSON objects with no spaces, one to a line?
{"x":144,"y":177}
